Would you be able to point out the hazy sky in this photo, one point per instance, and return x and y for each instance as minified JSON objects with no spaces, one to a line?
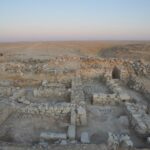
{"x":25,"y":20}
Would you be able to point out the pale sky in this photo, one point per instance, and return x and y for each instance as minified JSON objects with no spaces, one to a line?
{"x":35,"y":20}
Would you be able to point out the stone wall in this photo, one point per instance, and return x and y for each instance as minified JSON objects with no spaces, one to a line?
{"x":77,"y":97}
{"x":51,"y":91}
{"x":48,"y":109}
{"x":106,"y":99}
{"x":139,"y":119}
{"x":99,"y":66}
{"x":117,"y":95}
{"x":6,"y":91}
{"x":141,"y":68}
{"x":87,"y":66}
{"x":134,"y":83}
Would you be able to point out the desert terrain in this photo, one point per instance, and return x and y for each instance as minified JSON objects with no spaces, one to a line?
{"x":105,"y":49}
{"x":75,"y":95}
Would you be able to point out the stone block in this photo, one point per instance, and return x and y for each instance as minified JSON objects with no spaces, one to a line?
{"x":52,"y":136}
{"x":73,"y":117}
{"x":71,"y":132}
{"x":85,"y":138}
{"x":81,"y":112}
{"x":148,"y":140}
{"x":124,"y":96}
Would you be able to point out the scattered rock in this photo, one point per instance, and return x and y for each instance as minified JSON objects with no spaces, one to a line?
{"x":138,"y":118}
{"x":63,"y":142}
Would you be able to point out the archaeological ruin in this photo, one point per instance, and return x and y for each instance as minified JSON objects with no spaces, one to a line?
{"x":74,"y":100}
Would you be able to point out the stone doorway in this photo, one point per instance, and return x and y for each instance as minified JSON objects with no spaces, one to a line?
{"x":116,"y":73}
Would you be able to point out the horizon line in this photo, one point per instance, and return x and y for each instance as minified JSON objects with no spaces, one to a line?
{"x":81,"y":40}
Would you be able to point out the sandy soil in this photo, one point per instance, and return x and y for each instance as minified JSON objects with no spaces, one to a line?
{"x":121,"y":49}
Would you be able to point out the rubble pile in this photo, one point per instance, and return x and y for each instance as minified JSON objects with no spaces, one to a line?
{"x":138,"y":118}
{"x":116,"y":141}
{"x":134,"y":83}
{"x":140,"y":67}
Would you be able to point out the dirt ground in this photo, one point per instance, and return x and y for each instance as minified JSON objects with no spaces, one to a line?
{"x":119,"y":49}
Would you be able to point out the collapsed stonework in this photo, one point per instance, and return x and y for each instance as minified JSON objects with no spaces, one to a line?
{"x":119,"y":140}
{"x":134,"y":83}
{"x":139,"y":119}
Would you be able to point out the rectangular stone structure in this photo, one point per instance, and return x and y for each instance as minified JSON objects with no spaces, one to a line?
{"x":85,"y":138}
{"x":82,"y":116}
{"x":105,"y":99}
{"x":73,"y":117}
{"x":71,"y":132}
{"x":52,"y":136}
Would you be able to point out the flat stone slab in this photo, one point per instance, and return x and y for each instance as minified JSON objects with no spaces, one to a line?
{"x":124,"y":96}
{"x":52,"y":136}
